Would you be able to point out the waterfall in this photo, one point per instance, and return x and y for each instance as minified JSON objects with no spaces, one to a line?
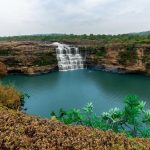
{"x":68,"y":57}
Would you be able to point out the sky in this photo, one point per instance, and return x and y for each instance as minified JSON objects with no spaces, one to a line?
{"x":25,"y":17}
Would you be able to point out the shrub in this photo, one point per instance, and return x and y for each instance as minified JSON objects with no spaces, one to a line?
{"x":101,"y":52}
{"x":132,"y":120}
{"x":5,"y":52}
{"x":45,"y":59}
{"x":129,"y":55}
{"x":10,"y":97}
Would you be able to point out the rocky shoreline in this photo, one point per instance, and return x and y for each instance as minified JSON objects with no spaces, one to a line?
{"x":33,"y":70}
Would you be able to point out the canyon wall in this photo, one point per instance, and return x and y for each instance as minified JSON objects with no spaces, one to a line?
{"x":28,"y":57}
{"x":40,"y":57}
{"x":119,"y":58}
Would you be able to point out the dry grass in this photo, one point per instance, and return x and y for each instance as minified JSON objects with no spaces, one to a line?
{"x":9,"y":97}
{"x":20,"y":131}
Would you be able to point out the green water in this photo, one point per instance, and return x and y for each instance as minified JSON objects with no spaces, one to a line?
{"x":73,"y":89}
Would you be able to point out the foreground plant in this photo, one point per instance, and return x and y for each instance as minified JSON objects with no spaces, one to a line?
{"x":21,"y":131}
{"x":11,"y":97}
{"x":132,"y":119}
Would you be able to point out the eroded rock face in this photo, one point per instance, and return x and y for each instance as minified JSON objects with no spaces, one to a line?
{"x":28,"y":57}
{"x":40,"y":57}
{"x":3,"y":69}
{"x":119,"y":59}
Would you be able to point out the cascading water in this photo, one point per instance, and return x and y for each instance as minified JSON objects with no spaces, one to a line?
{"x":68,"y":57}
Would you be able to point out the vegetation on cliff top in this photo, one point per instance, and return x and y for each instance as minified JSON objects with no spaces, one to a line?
{"x":121,"y":38}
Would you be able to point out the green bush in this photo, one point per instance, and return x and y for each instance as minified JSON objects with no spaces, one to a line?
{"x":23,"y":96}
{"x":101,"y":52}
{"x":101,"y":39}
{"x":132,"y":119}
{"x":5,"y":52}
{"x":146,"y":56}
{"x":45,"y":59}
{"x":147,"y":66}
{"x":128,"y":55}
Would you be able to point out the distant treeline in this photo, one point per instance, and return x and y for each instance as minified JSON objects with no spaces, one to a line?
{"x":121,"y":38}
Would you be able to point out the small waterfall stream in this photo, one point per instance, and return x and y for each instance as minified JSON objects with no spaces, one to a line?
{"x":68,"y":57}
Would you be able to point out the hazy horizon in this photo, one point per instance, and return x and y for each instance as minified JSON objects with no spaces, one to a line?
{"x":46,"y":34}
{"x":31,"y":17}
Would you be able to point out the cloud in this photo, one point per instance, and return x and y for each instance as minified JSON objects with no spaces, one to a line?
{"x":73,"y":16}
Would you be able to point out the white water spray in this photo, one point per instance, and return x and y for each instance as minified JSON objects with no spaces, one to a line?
{"x":68,"y":57}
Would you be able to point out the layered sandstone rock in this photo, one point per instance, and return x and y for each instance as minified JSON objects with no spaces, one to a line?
{"x":111,"y":60}
{"x":28,"y":57}
{"x":3,"y":69}
{"x":40,"y":57}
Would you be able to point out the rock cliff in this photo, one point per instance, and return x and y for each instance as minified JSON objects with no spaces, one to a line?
{"x":40,"y":57}
{"x":119,"y":58}
{"x":3,"y":69}
{"x":28,"y":57}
